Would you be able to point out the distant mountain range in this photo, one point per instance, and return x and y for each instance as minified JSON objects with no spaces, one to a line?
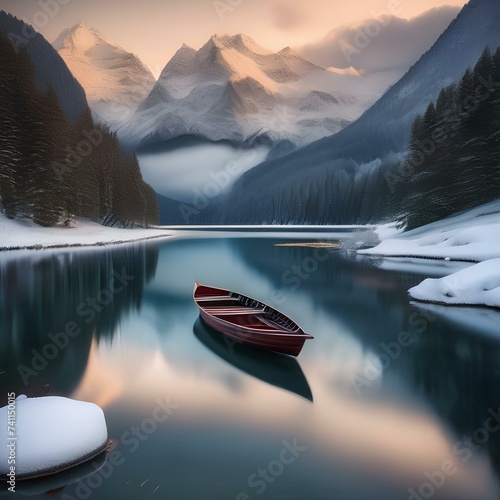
{"x":233,"y":89}
{"x":115,"y":80}
{"x":230,"y":89}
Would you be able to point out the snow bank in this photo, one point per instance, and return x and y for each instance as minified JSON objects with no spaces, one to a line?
{"x":476,"y":285}
{"x":470,"y":244}
{"x":472,"y":236}
{"x":15,"y":234}
{"x":53,"y":433}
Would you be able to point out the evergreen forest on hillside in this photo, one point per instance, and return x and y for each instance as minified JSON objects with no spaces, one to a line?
{"x":51,"y":169}
{"x":454,"y":151}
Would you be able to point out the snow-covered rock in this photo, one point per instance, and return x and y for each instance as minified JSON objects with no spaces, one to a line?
{"x":115,"y":80}
{"x":234,"y":89}
{"x":53,"y":433}
{"x":477,"y":285}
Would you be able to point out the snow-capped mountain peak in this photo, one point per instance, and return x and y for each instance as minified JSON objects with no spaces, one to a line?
{"x":241,"y":56}
{"x":241,"y":43}
{"x":114,"y":80}
{"x":79,"y":37}
{"x":234,"y":89}
{"x":180,"y":63}
{"x":288,"y":51}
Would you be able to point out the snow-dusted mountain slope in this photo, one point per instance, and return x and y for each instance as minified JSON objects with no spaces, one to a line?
{"x":383,"y":129}
{"x":386,"y":125}
{"x":115,"y":80}
{"x":234,"y":89}
{"x":50,"y":69}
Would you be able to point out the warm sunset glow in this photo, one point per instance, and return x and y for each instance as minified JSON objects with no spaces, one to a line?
{"x":155,"y":29}
{"x":337,"y":422}
{"x":100,"y":384}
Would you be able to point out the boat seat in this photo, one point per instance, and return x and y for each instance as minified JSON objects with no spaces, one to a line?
{"x":225,"y":311}
{"x":209,"y":298}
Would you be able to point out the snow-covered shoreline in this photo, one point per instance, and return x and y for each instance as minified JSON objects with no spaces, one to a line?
{"x":24,"y":235}
{"x":473,"y":236}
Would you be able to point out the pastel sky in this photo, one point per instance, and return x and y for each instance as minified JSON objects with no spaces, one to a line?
{"x":155,"y":29}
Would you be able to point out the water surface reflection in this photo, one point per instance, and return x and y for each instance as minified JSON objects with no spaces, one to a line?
{"x":52,"y":304}
{"x":371,"y":441}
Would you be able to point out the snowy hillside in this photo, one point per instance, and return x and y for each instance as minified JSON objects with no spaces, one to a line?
{"x":115,"y":81}
{"x":50,"y":69}
{"x":236,"y":90}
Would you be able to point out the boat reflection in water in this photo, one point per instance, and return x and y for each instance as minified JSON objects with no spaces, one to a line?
{"x":276,"y":369}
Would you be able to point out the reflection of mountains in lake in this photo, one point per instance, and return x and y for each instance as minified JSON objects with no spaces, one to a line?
{"x":275,"y":369}
{"x":452,"y":367}
{"x":52,"y":306}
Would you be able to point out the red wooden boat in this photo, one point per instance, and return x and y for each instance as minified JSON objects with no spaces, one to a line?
{"x":248,"y":321}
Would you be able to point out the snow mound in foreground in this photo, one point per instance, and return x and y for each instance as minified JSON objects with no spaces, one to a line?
{"x":477,"y":285}
{"x":53,"y":433}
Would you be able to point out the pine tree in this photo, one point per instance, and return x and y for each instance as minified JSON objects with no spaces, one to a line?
{"x":10,"y":146}
{"x":83,"y":156}
{"x":48,"y":193}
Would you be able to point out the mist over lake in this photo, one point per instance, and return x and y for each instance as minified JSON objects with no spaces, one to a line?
{"x":180,"y":169}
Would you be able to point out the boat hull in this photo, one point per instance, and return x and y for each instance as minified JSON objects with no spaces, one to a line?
{"x":266,"y":328}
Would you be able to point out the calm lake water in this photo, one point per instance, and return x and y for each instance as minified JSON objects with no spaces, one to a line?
{"x":389,"y":398}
